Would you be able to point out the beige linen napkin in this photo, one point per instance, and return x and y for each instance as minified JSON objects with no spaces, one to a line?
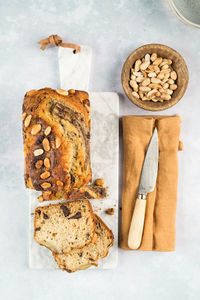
{"x":159,"y":227}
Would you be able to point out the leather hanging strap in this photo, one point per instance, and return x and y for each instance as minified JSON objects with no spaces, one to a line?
{"x":56,"y":40}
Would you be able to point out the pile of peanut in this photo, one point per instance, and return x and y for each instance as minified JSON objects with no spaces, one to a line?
{"x":153,"y":78}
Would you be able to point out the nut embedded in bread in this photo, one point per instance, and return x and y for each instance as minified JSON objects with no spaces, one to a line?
{"x":56,"y":131}
{"x":61,"y":227}
{"x":79,"y":259}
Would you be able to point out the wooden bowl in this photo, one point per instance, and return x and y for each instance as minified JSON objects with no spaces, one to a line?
{"x":178,"y":64}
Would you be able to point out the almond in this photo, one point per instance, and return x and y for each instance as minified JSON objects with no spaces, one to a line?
{"x":46,"y":144}
{"x":58,"y":142}
{"x":23,"y":116}
{"x":47,"y":163}
{"x":27,"y":121}
{"x":46,"y":185}
{"x":38,"y":152}
{"x":47,"y":130}
{"x":39,"y":164}
{"x":45,"y":175}
{"x":62,"y":92}
{"x":71,"y":91}
{"x":59,"y":183}
{"x":35,"y":129}
{"x":99,"y":182}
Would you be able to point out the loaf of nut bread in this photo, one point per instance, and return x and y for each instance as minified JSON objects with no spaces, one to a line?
{"x":91,"y":191}
{"x":63,"y":226}
{"x":56,"y":131}
{"x":79,"y":259}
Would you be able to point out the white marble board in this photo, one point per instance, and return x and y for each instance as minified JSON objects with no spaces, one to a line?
{"x":104,"y":161}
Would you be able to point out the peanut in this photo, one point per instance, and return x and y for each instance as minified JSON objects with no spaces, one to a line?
{"x":173,"y":87}
{"x":135,"y":95}
{"x":134,"y":85}
{"x":146,"y":82}
{"x":173,"y":75}
{"x":157,"y":61}
{"x":153,"y":78}
{"x":144,"y":65}
{"x":99,"y":181}
{"x":137,"y":65}
{"x":153,"y":56}
{"x":152,"y":74}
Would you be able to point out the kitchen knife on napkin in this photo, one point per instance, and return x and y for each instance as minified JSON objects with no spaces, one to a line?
{"x":147,"y":185}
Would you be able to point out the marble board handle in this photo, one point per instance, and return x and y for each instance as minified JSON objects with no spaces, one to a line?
{"x":137,"y":224}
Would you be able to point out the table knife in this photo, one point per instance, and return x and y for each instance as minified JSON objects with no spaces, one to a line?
{"x":146,"y":186}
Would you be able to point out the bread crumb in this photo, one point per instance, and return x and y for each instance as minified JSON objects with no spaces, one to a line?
{"x":110,"y":211}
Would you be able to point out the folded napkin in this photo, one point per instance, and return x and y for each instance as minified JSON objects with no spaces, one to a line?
{"x":159,"y":226}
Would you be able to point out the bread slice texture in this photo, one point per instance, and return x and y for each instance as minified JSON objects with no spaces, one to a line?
{"x":79,"y":259}
{"x":64,"y":226}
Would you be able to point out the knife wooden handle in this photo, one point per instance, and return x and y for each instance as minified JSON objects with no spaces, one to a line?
{"x":137,"y":224}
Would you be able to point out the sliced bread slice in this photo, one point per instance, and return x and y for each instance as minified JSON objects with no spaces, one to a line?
{"x":79,"y":259}
{"x":61,"y":227}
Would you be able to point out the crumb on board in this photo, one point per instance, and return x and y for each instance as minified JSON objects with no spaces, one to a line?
{"x":110,"y":211}
{"x":96,"y":208}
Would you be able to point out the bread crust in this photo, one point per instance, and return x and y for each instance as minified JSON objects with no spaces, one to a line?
{"x":66,"y":147}
{"x":86,"y":192}
{"x":94,"y":263}
{"x":40,"y":208}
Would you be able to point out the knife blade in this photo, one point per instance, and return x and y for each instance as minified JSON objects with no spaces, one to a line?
{"x":146,"y":185}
